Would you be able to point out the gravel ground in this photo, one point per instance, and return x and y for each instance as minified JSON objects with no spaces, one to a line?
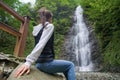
{"x":97,"y":76}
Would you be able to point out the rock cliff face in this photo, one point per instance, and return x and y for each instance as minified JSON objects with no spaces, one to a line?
{"x":95,"y":49}
{"x":35,"y":74}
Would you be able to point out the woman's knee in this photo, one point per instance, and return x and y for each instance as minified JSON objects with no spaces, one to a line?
{"x":71,"y":64}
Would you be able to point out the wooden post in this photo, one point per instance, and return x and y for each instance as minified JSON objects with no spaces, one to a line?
{"x":21,"y":41}
{"x":21,"y":34}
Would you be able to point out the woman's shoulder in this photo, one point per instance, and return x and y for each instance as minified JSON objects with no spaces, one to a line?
{"x":36,"y":29}
{"x":37,"y":26}
{"x":50,"y":25}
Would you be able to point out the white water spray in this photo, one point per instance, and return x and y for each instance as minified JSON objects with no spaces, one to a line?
{"x":80,"y":42}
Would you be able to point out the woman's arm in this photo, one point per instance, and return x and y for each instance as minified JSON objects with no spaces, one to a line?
{"x":32,"y":57}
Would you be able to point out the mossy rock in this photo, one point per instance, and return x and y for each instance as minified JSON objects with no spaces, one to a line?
{"x":36,"y":74}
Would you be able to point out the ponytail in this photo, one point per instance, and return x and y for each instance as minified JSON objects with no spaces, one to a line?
{"x":42,"y":15}
{"x":45,"y":15}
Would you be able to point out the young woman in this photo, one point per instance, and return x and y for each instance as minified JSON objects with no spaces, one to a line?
{"x":43,"y":52}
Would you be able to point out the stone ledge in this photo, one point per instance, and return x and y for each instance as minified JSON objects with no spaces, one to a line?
{"x":35,"y":74}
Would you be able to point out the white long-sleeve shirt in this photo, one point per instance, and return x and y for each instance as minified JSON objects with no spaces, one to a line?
{"x":47,"y":32}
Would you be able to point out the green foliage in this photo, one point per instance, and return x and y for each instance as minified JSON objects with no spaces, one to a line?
{"x":58,"y":44}
{"x":7,"y":41}
{"x":62,"y":12}
{"x":112,"y":53}
{"x":105,"y":17}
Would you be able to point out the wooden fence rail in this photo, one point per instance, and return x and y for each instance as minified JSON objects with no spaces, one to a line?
{"x":21,"y":34}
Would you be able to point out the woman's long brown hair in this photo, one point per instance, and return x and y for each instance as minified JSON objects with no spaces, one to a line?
{"x":45,"y":15}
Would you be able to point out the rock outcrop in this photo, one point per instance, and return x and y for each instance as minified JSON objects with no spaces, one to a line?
{"x":36,"y":74}
{"x":97,"y":76}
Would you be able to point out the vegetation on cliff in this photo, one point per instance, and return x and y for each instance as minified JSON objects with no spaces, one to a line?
{"x":104,"y":16}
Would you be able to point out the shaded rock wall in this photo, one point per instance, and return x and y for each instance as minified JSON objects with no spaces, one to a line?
{"x":95,"y":49}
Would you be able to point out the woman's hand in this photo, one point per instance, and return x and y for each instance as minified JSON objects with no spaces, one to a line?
{"x":22,"y":69}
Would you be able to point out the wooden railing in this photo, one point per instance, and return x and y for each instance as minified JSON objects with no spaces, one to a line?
{"x":21,"y":34}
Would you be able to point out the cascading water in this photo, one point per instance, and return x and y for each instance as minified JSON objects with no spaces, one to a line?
{"x":80,"y":42}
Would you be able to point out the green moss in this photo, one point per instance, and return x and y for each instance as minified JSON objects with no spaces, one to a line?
{"x":112,"y":50}
{"x":104,"y":16}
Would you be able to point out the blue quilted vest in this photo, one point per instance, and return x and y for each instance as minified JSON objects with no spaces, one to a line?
{"x":47,"y":54}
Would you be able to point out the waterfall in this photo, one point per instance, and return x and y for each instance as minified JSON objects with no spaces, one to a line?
{"x":80,"y":42}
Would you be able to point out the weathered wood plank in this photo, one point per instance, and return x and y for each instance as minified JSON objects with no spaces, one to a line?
{"x":11,"y":11}
{"x":9,"y":29}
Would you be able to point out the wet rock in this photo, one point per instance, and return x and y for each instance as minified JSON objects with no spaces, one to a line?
{"x":69,"y":50}
{"x":7,"y":64}
{"x":35,"y":74}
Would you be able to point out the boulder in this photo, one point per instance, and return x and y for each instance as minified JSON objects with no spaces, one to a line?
{"x":36,"y":74}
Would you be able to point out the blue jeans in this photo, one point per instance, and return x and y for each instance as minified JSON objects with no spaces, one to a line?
{"x":57,"y":66}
